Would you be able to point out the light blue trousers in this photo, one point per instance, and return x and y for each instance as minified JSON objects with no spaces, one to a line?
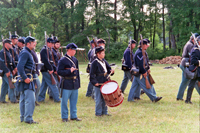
{"x":27,"y":105}
{"x":184,"y":84}
{"x":46,"y":81}
{"x":72,"y":96}
{"x":134,"y":87}
{"x":6,"y":88}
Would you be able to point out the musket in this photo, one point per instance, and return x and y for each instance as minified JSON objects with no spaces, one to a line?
{"x":11,"y":85}
{"x":148,"y":86}
{"x":89,"y":42}
{"x":195,"y":40}
{"x":95,"y":41}
{"x":53,"y":82}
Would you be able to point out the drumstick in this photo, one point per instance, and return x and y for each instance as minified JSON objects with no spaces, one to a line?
{"x":111,"y":73}
{"x":70,"y":68}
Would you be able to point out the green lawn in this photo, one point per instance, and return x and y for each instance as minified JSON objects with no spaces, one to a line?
{"x":168,"y":115}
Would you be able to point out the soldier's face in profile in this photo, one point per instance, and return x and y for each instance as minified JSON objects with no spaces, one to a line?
{"x":57,"y":45}
{"x":101,"y":54}
{"x":9,"y":45}
{"x":132,"y":45}
{"x":33,"y":45}
{"x":73,"y":52}
{"x":19,"y":44}
{"x":14,"y":41}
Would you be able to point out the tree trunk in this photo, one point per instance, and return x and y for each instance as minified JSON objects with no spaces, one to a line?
{"x":163,"y":16}
{"x":97,"y":20}
{"x":115,"y":21}
{"x":154,"y":29}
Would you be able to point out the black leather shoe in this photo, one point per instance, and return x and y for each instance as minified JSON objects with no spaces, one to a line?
{"x":76,"y":119}
{"x":107,"y":114}
{"x":188,"y":102}
{"x":142,"y":92}
{"x":179,"y":99}
{"x":4,"y":102}
{"x":16,"y":101}
{"x":158,"y":99}
{"x":50,"y":98}
{"x":31,"y":122}
{"x":137,"y":98}
{"x":64,"y":120}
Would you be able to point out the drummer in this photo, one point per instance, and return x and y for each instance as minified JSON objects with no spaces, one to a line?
{"x":99,"y":72}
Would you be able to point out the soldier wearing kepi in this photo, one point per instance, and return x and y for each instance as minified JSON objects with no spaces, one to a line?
{"x":68,"y":69}
{"x":186,"y":58}
{"x":37,"y":73}
{"x":47,"y":71}
{"x":90,"y":86}
{"x":144,"y":71}
{"x":194,"y":64}
{"x":26,"y":69}
{"x":13,"y":51}
{"x":128,"y":61}
{"x":100,"y":69}
{"x":11,"y":70}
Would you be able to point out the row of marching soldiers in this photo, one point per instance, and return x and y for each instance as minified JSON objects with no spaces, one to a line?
{"x":20,"y":70}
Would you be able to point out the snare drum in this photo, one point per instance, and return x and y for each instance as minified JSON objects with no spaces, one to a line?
{"x":111,"y":93}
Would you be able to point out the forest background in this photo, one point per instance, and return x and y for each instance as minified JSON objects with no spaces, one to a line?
{"x":166,"y":23}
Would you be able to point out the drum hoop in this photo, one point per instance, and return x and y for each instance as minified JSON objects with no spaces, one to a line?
{"x":106,"y":83}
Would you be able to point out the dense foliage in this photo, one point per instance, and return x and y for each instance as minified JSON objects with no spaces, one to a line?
{"x":167,"y":23}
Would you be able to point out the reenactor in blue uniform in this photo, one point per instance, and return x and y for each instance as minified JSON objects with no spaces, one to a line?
{"x":90,"y":86}
{"x":18,"y":48}
{"x":195,"y":63}
{"x":26,"y":70}
{"x":128,"y":61}
{"x":36,"y":75}
{"x":10,"y":70}
{"x":48,"y":69}
{"x":186,"y":58}
{"x":56,"y":57}
{"x":68,"y":69}
{"x":13,"y":51}
{"x":144,"y":72}
{"x":100,"y":69}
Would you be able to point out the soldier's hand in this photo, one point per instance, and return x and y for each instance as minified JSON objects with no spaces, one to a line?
{"x":148,"y":71}
{"x":50,"y":72}
{"x":55,"y":72}
{"x":112,"y":71}
{"x":145,"y":74}
{"x":97,"y":84}
{"x":8,"y":74}
{"x":13,"y":72}
{"x":72,"y":69}
{"x":27,"y":80}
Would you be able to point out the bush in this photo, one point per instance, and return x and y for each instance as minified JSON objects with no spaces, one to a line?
{"x":116,"y":51}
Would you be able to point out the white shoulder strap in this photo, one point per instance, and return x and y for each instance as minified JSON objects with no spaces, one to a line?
{"x":71,"y":61}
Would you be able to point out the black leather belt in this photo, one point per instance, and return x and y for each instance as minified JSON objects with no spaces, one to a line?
{"x":74,"y":77}
{"x":29,"y":70}
{"x":101,"y":74}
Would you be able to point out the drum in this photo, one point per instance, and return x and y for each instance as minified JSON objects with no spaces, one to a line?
{"x":111,"y":93}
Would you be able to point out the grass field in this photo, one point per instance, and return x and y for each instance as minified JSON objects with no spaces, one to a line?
{"x":168,"y":115}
